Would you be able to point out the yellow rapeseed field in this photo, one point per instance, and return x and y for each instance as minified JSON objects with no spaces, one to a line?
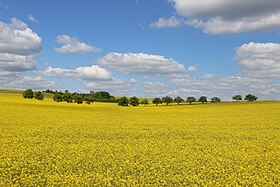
{"x":44,"y":143}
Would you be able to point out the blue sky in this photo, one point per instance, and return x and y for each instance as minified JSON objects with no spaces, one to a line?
{"x":142,"y":47}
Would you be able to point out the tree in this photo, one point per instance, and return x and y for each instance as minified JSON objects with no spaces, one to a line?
{"x":134,"y":101}
{"x":89,"y":99}
{"x":167,"y":100}
{"x":237,"y":98}
{"x":67,"y":97}
{"x":191,"y":100}
{"x":202,"y":99}
{"x":250,"y":98}
{"x":28,"y":94}
{"x":57,"y":97}
{"x":39,"y":96}
{"x":178,"y":100}
{"x":123,"y":101}
{"x":144,"y":102}
{"x":78,"y":99}
{"x":102,"y":95}
{"x":215,"y":100}
{"x":157,"y":101}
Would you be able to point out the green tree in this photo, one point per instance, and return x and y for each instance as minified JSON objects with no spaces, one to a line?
{"x":250,"y":98}
{"x":28,"y":94}
{"x":144,"y":102}
{"x":89,"y":99}
{"x":237,"y":98}
{"x":191,"y":100}
{"x":39,"y":96}
{"x":202,"y":99}
{"x":57,"y":97}
{"x":178,"y":100}
{"x":123,"y":101}
{"x":167,"y":100}
{"x":78,"y":99}
{"x":67,"y":97}
{"x":215,"y":100}
{"x":157,"y":101}
{"x":134,"y":101}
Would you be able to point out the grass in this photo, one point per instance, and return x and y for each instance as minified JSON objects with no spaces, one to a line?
{"x":58,"y":144}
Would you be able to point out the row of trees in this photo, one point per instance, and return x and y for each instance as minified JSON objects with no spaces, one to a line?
{"x":248,"y":97}
{"x":134,"y":101}
{"x":123,"y":101}
{"x":29,"y":94}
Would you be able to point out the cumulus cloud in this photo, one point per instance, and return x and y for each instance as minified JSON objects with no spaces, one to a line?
{"x":17,"y":38}
{"x":170,"y":22}
{"x":260,"y":59}
{"x":32,"y":18}
{"x":17,"y":63}
{"x":225,"y":17}
{"x":93,"y":72}
{"x":14,"y":80}
{"x":192,"y":68}
{"x":18,"y":46}
{"x":115,"y":86}
{"x":141,"y":63}
{"x":72,"y":45}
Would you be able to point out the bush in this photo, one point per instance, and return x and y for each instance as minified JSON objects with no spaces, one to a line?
{"x":123,"y":101}
{"x":134,"y":101}
{"x":28,"y":94}
{"x":39,"y":96}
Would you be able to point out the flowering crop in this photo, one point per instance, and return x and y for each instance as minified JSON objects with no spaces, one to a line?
{"x":44,"y":143}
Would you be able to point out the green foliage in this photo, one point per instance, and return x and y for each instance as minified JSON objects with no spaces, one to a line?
{"x":78,"y":99}
{"x":178,"y":100}
{"x":57,"y":97}
{"x":123,"y":101}
{"x":39,"y":96}
{"x":67,"y":97}
{"x":237,"y":97}
{"x":89,"y":99}
{"x":134,"y":101}
{"x":215,"y":100}
{"x":191,"y":100}
{"x":202,"y":99}
{"x":144,"y":102}
{"x":102,"y":95}
{"x":28,"y":94}
{"x":157,"y":101}
{"x":250,"y":98}
{"x":167,"y":100}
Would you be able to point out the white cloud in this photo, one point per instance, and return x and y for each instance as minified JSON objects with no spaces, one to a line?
{"x":32,"y":18}
{"x":192,"y":68}
{"x":18,"y":46}
{"x":18,"y":63}
{"x":117,"y":87}
{"x":225,"y":17}
{"x":93,"y":72}
{"x":260,"y":59}
{"x":72,"y":45}
{"x":170,"y":22}
{"x":18,"y":81}
{"x":141,"y":63}
{"x":17,"y":38}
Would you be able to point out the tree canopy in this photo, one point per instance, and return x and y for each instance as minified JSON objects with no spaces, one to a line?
{"x":157,"y":101}
{"x":191,"y":100}
{"x":167,"y":100}
{"x":28,"y":94}
{"x":250,"y":98}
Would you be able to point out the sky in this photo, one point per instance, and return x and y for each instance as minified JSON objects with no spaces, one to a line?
{"x":146,"y":48}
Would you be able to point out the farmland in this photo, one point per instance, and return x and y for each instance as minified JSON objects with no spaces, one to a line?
{"x":47,"y":143}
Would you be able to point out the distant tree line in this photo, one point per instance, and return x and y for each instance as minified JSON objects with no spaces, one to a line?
{"x":104,"y":96}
